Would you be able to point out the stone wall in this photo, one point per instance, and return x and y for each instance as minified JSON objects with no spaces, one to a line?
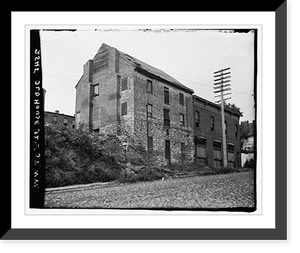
{"x":101,"y":112}
{"x":83,"y":97}
{"x":175,"y":133}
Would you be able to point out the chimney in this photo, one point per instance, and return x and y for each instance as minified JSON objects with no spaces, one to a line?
{"x":56,"y":111}
{"x":87,"y":70}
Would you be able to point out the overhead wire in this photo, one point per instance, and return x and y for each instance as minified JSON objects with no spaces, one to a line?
{"x":176,"y":76}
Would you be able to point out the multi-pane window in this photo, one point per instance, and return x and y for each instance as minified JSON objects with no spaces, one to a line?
{"x":166,"y":117}
{"x":124,"y":109}
{"x":149,"y":110}
{"x":166,"y":96}
{"x":181,"y":118}
{"x":124,"y":83}
{"x":212,"y":123}
{"x":149,"y":86}
{"x":197,"y":119}
{"x":181,"y":99}
{"x":96,"y":89}
{"x":217,"y":154}
{"x":167,"y":149}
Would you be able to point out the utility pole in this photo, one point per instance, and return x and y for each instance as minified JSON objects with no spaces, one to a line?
{"x":125,"y":146}
{"x":222,"y":84}
{"x":148,"y":144}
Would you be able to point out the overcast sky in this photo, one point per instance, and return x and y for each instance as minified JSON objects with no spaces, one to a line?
{"x":190,"y":56}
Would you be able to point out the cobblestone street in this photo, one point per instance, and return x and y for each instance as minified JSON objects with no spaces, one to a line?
{"x":216,"y":191}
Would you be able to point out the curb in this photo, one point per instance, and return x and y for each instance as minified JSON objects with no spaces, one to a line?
{"x":81,"y":186}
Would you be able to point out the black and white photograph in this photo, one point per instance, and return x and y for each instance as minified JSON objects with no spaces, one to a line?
{"x":148,"y":125}
{"x":148,"y":119}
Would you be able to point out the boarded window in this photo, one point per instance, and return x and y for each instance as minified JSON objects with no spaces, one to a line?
{"x":166,"y":117}
{"x":181,"y":99}
{"x":167,"y":149}
{"x":166,"y":96}
{"x":197,"y":119}
{"x":230,"y":156}
{"x":149,"y":110}
{"x":149,"y":86}
{"x":201,"y":151}
{"x":217,"y":154}
{"x":124,"y":109}
{"x":124,"y":83}
{"x":182,"y":147}
{"x":150,"y":143}
{"x":181,"y":119}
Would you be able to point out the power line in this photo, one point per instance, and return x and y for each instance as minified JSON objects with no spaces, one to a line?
{"x":48,"y":74}
{"x":192,"y":81}
{"x":47,"y":42}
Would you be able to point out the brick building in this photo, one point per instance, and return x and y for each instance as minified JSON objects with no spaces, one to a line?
{"x":208,"y":134}
{"x":59,"y":118}
{"x":121,"y":95}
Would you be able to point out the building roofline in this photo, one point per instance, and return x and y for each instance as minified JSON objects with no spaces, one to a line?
{"x":78,"y":81}
{"x":60,"y":114}
{"x":195,"y":97}
{"x":148,"y":73}
{"x":151,"y":71}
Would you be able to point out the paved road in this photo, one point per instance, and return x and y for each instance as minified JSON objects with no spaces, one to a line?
{"x":217,"y":191}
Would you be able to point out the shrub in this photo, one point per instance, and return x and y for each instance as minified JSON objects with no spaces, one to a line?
{"x":142,"y":175}
{"x":250,"y":164}
{"x":76,"y":157}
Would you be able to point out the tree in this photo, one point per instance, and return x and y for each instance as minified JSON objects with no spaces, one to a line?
{"x":233,"y":107}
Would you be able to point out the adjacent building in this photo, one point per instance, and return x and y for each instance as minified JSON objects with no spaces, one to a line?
{"x":208,"y":134}
{"x":123,"y":96}
{"x":59,"y":118}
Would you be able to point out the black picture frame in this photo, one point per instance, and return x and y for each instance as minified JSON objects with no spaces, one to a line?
{"x":278,"y":233}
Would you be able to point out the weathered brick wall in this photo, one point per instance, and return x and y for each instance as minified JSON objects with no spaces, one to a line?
{"x":175,"y":133}
{"x":48,"y":116}
{"x":102,"y":112}
{"x":204,"y":130}
{"x":83,"y":97}
{"x":126,"y":96}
